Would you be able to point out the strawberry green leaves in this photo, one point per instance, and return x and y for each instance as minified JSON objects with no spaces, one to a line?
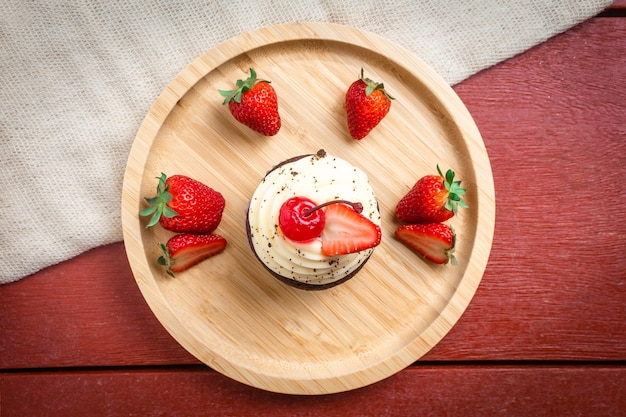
{"x":158,"y":204}
{"x":455,"y":191}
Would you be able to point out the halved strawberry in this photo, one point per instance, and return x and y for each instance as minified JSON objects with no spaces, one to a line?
{"x":434,"y":241}
{"x":183,"y":251}
{"x":347,"y":231}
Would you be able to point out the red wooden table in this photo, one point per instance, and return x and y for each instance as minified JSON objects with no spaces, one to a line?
{"x":544,"y":335}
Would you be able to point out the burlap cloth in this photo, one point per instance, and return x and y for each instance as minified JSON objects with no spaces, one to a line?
{"x":77,"y":78}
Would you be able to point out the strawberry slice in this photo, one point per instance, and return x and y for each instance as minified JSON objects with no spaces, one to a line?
{"x":434,"y":241}
{"x":347,"y":231}
{"x":183,"y":251}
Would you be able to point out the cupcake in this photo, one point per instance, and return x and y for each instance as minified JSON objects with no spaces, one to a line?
{"x":313,"y":221}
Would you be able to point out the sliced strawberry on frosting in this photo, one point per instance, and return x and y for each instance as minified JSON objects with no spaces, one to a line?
{"x":347,"y":231}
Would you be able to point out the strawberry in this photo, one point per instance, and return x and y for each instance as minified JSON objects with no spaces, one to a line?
{"x":185,"y":205}
{"x":367,"y":103}
{"x":183,"y":251}
{"x":346,"y":230}
{"x":254,"y":103}
{"x":433,"y":199}
{"x":434,"y":241}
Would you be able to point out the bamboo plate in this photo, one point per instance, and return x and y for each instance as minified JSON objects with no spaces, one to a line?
{"x":228,"y":311}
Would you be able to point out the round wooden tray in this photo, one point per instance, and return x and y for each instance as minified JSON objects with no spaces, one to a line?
{"x":228,"y":311}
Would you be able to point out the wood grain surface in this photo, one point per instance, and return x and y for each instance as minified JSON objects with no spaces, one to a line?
{"x":471,"y":391}
{"x":544,"y":335}
{"x":229,"y":312}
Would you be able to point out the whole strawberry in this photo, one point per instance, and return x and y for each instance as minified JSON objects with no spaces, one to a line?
{"x":434,"y":241}
{"x":185,"y":250}
{"x":367,"y":103}
{"x":255,"y":104}
{"x":184,"y":205}
{"x":433,"y":199}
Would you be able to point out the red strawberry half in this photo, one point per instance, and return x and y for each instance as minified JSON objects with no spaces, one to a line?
{"x":434,"y":241}
{"x":367,"y":103}
{"x":183,"y":251}
{"x":433,"y":199}
{"x":255,"y":104}
{"x":347,"y":231}
{"x":185,"y":205}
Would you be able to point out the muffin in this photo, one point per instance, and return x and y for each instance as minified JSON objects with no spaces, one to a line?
{"x":313,"y":221}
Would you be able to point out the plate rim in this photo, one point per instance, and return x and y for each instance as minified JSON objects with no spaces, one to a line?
{"x":260,"y":38}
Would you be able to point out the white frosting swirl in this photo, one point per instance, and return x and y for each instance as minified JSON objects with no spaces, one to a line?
{"x":321,"y":178}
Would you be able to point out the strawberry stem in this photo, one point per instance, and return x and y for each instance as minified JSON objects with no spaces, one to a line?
{"x":166,"y":260}
{"x":356,"y":206}
{"x":371,"y":86}
{"x":242,"y":87}
{"x":455,"y":191}
{"x":158,"y":204}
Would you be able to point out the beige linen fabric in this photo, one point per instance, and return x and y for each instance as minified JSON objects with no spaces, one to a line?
{"x":78,"y":76}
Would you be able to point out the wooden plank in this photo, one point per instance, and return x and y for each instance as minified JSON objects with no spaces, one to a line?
{"x":426,"y":390}
{"x":618,"y":4}
{"x":568,"y":135}
{"x":552,"y":120}
{"x":86,"y":311}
